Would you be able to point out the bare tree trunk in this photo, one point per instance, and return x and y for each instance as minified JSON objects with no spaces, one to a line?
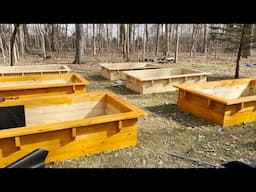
{"x":43,"y":46}
{"x":2,"y":48}
{"x":146,"y":47}
{"x":144,"y":42}
{"x":12,"y":41}
{"x":239,"y":52}
{"x":133,"y":39}
{"x":124,"y":42}
{"x":193,"y":39}
{"x":130,"y":37}
{"x":53,"y":38}
{"x":93,"y":39}
{"x":167,"y":53}
{"x":107,"y":38}
{"x":177,"y":44}
{"x":170,"y":36}
{"x":157,"y":39}
{"x":17,"y":55}
{"x":127,"y":34}
{"x":205,"y":39}
{"x":21,"y":40}
{"x":117,"y":35}
{"x":138,"y":43}
{"x":27,"y":38}
{"x":79,"y":44}
{"x":246,"y":51}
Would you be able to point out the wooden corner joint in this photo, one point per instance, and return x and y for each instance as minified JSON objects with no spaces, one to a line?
{"x":73,"y":88}
{"x":241,"y":105}
{"x":184,"y":94}
{"x":120,"y":125}
{"x":209,"y":103}
{"x":17,"y":142}
{"x":73,"y":133}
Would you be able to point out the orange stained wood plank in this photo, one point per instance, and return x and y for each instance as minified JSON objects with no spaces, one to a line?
{"x":61,"y":145}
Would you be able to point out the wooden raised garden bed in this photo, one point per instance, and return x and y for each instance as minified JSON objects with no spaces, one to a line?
{"x":161,"y":80}
{"x":225,"y":102}
{"x":69,"y":126}
{"x":33,"y":70}
{"x":35,"y":85}
{"x":113,"y":71}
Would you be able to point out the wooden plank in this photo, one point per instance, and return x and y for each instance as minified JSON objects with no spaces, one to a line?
{"x":128,"y":66}
{"x":33,"y":69}
{"x":164,"y":73}
{"x":114,"y":71}
{"x":17,"y":142}
{"x":60,"y":142}
{"x":200,"y":111}
{"x":35,"y":85}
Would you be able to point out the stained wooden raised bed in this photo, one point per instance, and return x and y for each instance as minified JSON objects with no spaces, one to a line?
{"x":225,"y":102}
{"x":33,"y":70}
{"x":161,"y":80}
{"x":113,"y":71}
{"x":70,"y":126}
{"x":35,"y":85}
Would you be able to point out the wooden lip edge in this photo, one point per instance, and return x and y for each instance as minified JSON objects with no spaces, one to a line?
{"x":66,"y":69}
{"x":105,"y":65}
{"x":134,"y":112}
{"x":208,"y":96}
{"x":167,"y":77}
{"x":218,"y":99}
{"x":82,"y":80}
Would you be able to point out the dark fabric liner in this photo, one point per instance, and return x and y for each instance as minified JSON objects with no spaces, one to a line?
{"x":11,"y":117}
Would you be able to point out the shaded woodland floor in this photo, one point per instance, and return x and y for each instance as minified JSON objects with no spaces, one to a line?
{"x":165,"y":129}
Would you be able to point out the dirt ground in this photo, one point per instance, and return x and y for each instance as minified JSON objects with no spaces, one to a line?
{"x":166,"y":129}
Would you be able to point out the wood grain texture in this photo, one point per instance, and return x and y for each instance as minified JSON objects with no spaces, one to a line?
{"x":113,"y":125}
{"x":114,"y":71}
{"x":161,"y":80}
{"x":33,"y":70}
{"x":35,"y":85}
{"x":226,"y":102}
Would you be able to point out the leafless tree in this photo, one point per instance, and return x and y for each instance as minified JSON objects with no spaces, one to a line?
{"x":79,"y":44}
{"x":12,"y":48}
{"x":177,"y":44}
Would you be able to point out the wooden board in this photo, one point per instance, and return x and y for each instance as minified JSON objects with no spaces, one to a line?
{"x":161,"y":80}
{"x":226,"y":102}
{"x":74,"y":125}
{"x":33,"y":70}
{"x":113,"y":71}
{"x":47,"y":84}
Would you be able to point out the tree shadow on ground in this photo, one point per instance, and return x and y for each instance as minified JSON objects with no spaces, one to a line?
{"x":216,"y":78}
{"x":121,"y":90}
{"x":171,"y":112}
{"x":96,"y":77}
{"x":250,"y":145}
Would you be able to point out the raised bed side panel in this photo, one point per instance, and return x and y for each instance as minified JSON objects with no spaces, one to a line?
{"x":236,"y":100}
{"x":201,"y":107}
{"x":240,"y":113}
{"x":73,"y":142}
{"x":33,"y":70}
{"x":133,"y":84}
{"x":36,"y":85}
{"x":113,"y":71}
{"x":159,"y":85}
